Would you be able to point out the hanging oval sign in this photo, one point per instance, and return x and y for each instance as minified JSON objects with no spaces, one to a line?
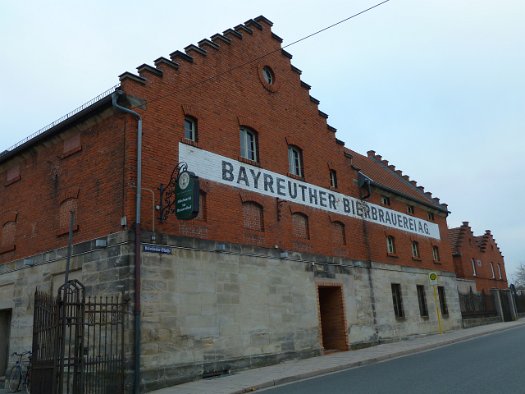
{"x":187,"y":196}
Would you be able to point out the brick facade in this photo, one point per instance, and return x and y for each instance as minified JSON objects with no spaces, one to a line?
{"x":253,"y":278}
{"x":478,"y":258}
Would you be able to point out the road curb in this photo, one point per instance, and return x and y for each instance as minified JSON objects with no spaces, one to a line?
{"x":369,"y":361}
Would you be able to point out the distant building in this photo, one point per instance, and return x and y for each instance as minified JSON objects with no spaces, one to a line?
{"x":300,"y":245}
{"x":478,"y":258}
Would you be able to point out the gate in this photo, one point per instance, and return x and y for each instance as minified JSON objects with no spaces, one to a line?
{"x":78,"y":342}
{"x":505,"y":305}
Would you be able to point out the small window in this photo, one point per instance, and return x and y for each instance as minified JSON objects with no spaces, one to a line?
{"x":300,"y":226}
{"x":333,"y":179}
{"x":410,"y":209}
{"x":248,"y":144}
{"x":442,"y":301}
{"x":72,"y":145}
{"x":499,"y":271}
{"x":422,"y":299}
{"x":8,"y":236}
{"x":268,"y":75}
{"x":295,"y":161}
{"x":12,"y":175}
{"x":435,"y":253}
{"x":492,"y":271}
{"x":190,"y":128}
{"x":397,"y":300}
{"x":390,"y":245}
{"x":338,"y":233}
{"x":431,"y":216}
{"x":474,"y":272}
{"x":415,"y":250}
{"x":385,"y":200}
{"x":253,"y":216}
{"x":64,"y":217}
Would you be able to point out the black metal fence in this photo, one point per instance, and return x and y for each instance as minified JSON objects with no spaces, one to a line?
{"x":477,"y":305}
{"x":78,"y":342}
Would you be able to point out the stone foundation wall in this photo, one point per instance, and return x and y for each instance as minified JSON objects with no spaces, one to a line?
{"x":391,"y":328}
{"x":210,"y":308}
{"x":103,"y":271}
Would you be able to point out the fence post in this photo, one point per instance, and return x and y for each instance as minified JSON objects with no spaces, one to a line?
{"x":497,"y":301}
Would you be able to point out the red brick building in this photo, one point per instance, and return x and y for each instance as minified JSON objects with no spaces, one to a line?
{"x":478,"y":258}
{"x":300,"y":245}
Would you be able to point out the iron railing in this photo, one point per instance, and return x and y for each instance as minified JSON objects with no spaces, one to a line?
{"x":78,"y":343}
{"x":63,"y":118}
{"x":477,"y":305}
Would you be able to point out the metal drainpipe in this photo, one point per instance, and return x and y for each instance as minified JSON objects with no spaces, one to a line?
{"x":137,"y":312}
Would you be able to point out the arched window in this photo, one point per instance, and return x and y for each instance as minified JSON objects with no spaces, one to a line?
{"x":333,"y":179}
{"x":474,"y":272}
{"x":295,"y":161}
{"x":253,"y":217}
{"x":500,"y":275}
{"x":190,"y":128}
{"x":390,"y":245}
{"x":300,"y":226}
{"x":435,"y":253}
{"x":8,"y":235}
{"x":415,"y":250}
{"x":67,"y":206}
{"x":248,"y":144}
{"x":492,"y":271}
{"x":338,"y":233}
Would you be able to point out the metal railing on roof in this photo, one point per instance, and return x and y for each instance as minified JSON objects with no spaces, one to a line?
{"x":63,"y":118}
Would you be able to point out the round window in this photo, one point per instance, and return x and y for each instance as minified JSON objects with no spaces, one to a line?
{"x":268,"y":75}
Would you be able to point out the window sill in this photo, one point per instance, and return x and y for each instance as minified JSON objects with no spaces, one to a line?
{"x":392,"y":255}
{"x":11,"y":181}
{"x":424,"y":317}
{"x":66,"y":231}
{"x":8,"y":248}
{"x":187,"y":141}
{"x":71,"y":152}
{"x":401,"y":319}
{"x":299,"y":178}
{"x":438,"y":262}
{"x":248,"y":161}
{"x":416,"y":258}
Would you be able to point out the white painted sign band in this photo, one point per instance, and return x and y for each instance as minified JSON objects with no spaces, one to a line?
{"x":231,"y":172}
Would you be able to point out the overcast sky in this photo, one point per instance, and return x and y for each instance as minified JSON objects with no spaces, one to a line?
{"x":436,"y":87}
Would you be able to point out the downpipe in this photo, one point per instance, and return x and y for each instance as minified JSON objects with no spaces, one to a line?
{"x":137,"y":309}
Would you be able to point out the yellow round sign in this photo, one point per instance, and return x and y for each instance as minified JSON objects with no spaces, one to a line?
{"x":432,"y":278}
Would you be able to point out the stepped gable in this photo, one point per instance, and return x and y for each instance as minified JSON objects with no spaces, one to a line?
{"x":194,"y":52}
{"x":386,"y":176}
{"x":486,"y":239}
{"x":456,"y":236}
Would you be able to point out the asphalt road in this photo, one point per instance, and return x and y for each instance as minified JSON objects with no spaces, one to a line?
{"x":493,"y":363}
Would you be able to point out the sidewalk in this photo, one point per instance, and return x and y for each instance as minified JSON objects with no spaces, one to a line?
{"x":289,"y":371}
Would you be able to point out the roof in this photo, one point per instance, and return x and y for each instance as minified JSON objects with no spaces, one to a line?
{"x":457,"y":234}
{"x":385,"y":176}
{"x":85,"y":110}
